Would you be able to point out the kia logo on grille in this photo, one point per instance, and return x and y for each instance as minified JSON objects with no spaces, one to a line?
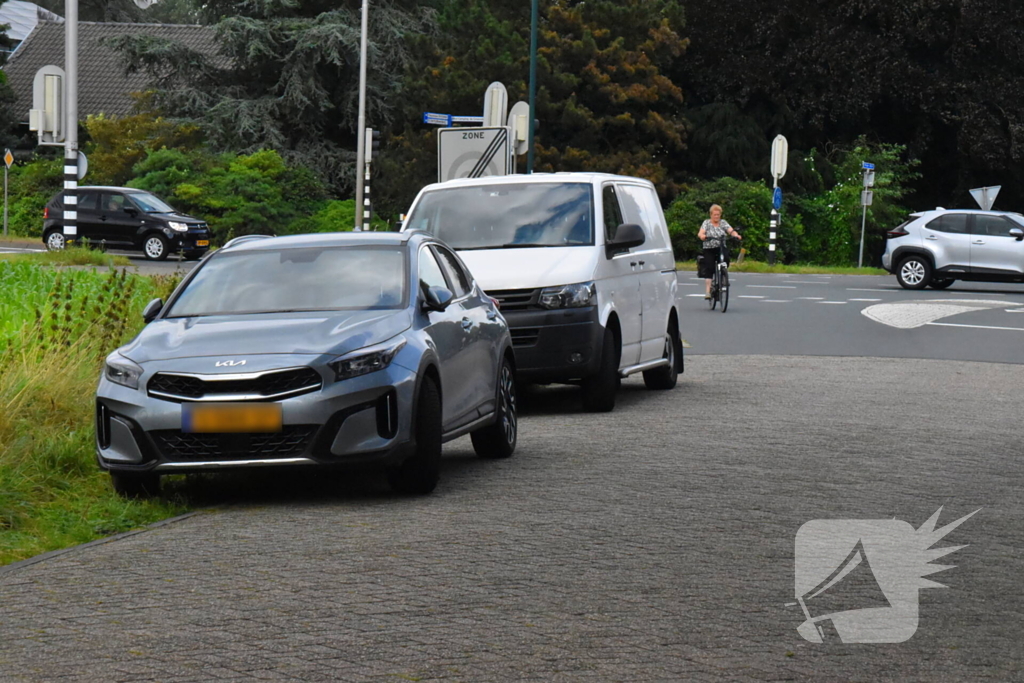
{"x":229,"y":363}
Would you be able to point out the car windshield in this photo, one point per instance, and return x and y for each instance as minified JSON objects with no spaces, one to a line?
{"x":299,"y":279}
{"x":150,"y":203}
{"x":513,"y":215}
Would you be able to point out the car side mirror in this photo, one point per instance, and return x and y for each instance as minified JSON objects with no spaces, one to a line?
{"x":152,"y":310}
{"x":627,"y":236}
{"x":1017,"y":234}
{"x":131,"y":211}
{"x":437,"y":298}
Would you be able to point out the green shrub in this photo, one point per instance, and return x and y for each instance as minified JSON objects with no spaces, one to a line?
{"x":30,"y":187}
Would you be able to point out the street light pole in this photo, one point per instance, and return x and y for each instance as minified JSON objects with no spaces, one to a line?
{"x":361,"y":125}
{"x":533,"y":86}
{"x":71,"y":120}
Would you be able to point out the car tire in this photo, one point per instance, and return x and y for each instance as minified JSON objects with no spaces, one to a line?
{"x":941,"y":284}
{"x":55,"y":240}
{"x":665,"y":377}
{"x":193,"y":255}
{"x":498,"y":440}
{"x":136,"y":484}
{"x":154,"y":246}
{"x":599,"y":389}
{"x":419,"y":473}
{"x":915,"y":272}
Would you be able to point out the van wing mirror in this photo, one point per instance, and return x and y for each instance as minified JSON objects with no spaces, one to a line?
{"x":627,"y":236}
{"x":152,"y":310}
{"x":437,"y":298}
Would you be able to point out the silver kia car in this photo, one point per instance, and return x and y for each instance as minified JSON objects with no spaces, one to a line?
{"x":339,"y":349}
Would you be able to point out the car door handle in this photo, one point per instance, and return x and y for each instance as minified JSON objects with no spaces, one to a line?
{"x":931,"y":237}
{"x":632,"y":264}
{"x":466,"y":323}
{"x":978,"y":242}
{"x":642,"y":262}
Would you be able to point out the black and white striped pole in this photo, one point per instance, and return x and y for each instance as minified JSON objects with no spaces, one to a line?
{"x":371,"y":146}
{"x":71,"y":121}
{"x":780,"y":159}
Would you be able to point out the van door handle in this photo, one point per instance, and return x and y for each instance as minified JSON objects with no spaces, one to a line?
{"x":642,"y":262}
{"x":978,"y":242}
{"x":466,"y":323}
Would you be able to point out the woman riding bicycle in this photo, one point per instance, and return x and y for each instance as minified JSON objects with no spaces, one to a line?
{"x":712,"y":232}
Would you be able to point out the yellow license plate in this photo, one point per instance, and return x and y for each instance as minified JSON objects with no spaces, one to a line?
{"x":202,"y":243}
{"x":221,"y":418}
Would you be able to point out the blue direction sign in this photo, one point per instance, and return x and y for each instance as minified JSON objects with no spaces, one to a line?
{"x":868,"y":166}
{"x":777,"y":198}
{"x":437,"y":119}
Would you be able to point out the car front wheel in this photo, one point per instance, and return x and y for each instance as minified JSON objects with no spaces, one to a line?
{"x":915,"y":272}
{"x":666,"y":376}
{"x":419,"y":473}
{"x":155,"y":247}
{"x":498,"y":440}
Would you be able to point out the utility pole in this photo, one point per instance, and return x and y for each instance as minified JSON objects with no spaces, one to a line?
{"x":866,"y":198}
{"x":361,"y":124}
{"x":71,"y":121}
{"x":533,"y":85}
{"x":779,"y":164}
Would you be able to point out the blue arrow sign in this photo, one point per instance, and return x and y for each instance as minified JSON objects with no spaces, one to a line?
{"x":868,"y":166}
{"x":437,"y":119}
{"x":777,"y":198}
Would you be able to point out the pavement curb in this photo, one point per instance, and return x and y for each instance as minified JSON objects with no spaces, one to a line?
{"x":36,"y":559}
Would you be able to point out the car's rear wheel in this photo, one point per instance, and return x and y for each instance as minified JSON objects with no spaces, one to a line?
{"x":136,"y":484}
{"x":600,"y":388}
{"x":498,"y":440}
{"x":915,"y":272}
{"x":155,"y":247}
{"x":55,"y":240}
{"x":418,"y":474}
{"x":941,"y":284}
{"x":666,"y":376}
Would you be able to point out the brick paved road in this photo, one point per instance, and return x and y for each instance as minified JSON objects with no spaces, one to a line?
{"x":655,"y":543}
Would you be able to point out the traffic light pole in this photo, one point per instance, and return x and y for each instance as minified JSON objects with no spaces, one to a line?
{"x":361,"y":123}
{"x":533,"y":86}
{"x":71,"y":121}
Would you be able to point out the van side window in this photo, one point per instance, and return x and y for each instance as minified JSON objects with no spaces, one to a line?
{"x":460,"y":281}
{"x":641,"y":206}
{"x":612,"y":213}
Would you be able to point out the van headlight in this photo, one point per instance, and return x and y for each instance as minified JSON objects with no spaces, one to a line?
{"x":366,"y":360}
{"x":179,"y":227}
{"x":568,"y":296}
{"x":120,"y":370}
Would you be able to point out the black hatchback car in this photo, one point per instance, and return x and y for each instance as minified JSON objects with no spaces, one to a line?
{"x":127,"y":218}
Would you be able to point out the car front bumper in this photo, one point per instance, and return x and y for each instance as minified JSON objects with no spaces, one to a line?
{"x":359,"y":421}
{"x":556,"y":346}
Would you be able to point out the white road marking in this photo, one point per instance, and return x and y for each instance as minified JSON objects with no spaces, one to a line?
{"x":907,"y":315}
{"x":978,"y":327}
{"x":812,"y":298}
{"x":689,"y":284}
{"x":1015,"y":310}
{"x":865,"y":299}
{"x":831,"y":302}
{"x":771,"y":286}
{"x":803,"y":282}
{"x":775,"y":301}
{"x":700,"y":295}
{"x":750,"y":296}
{"x":876,"y":289}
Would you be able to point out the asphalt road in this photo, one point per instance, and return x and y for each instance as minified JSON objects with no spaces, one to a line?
{"x":856,"y":315}
{"x":653,"y":543}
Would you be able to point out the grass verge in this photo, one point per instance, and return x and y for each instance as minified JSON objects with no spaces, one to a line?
{"x":72,"y":256}
{"x":55,"y":329}
{"x":795,"y":269}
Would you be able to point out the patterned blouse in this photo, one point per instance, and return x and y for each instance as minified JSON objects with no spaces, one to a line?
{"x":713,"y":235}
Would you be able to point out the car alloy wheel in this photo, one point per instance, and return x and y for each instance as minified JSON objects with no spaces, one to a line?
{"x":912,"y":272}
{"x":55,"y":241}
{"x":498,"y":439}
{"x":507,"y":405}
{"x":155,"y":248}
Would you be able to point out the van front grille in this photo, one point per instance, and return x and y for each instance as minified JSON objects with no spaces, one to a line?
{"x":515,"y":299}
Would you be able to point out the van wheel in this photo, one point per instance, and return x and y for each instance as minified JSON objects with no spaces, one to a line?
{"x":419,"y":473}
{"x":600,"y":388}
{"x":155,"y":247}
{"x":914,"y":272}
{"x":136,"y":484}
{"x":498,"y":440}
{"x":55,"y":240}
{"x":665,"y":377}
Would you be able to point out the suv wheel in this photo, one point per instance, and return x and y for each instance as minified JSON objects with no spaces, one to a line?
{"x":498,"y":440}
{"x":600,"y":388}
{"x":55,"y":240}
{"x":419,"y":473}
{"x":941,"y":284}
{"x":155,"y":247}
{"x":914,"y":272}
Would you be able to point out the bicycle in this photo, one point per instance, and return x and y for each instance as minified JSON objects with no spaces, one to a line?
{"x":720,"y":278}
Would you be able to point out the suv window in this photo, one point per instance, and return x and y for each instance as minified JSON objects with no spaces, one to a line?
{"x":113,"y":202}
{"x":87,"y":201}
{"x":996,"y":226}
{"x":460,"y":281}
{"x":430,"y":272}
{"x":950,"y":222}
{"x":641,"y":206}
{"x":612,"y":213}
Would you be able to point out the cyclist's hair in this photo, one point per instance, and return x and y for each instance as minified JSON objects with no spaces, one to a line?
{"x":715,"y":206}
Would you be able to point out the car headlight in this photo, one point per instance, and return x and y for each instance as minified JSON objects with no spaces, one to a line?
{"x":180,"y":227}
{"x":120,"y":370}
{"x":568,"y":296}
{"x":366,"y":360}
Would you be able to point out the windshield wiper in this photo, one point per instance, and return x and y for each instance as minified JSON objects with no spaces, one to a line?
{"x":522,"y":245}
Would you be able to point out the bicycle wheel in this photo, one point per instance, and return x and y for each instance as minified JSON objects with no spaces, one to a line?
{"x":714,"y":290}
{"x":725,"y":289}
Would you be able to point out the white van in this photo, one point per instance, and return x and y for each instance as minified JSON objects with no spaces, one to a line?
{"x":582,"y":267}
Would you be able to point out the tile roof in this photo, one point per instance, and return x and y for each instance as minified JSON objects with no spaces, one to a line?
{"x":102,"y":85}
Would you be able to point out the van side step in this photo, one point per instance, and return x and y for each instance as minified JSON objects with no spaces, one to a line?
{"x":642,"y":367}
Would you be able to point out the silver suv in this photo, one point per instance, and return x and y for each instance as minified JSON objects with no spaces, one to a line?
{"x":939,"y":247}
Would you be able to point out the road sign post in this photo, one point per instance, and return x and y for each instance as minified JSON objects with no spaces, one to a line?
{"x":779,"y":164}
{"x":866,"y":198}
{"x":8,"y":160}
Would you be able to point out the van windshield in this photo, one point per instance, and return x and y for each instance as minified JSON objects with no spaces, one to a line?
{"x":508,"y":216}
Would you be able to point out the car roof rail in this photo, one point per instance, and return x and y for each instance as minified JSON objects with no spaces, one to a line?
{"x":245,"y":238}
